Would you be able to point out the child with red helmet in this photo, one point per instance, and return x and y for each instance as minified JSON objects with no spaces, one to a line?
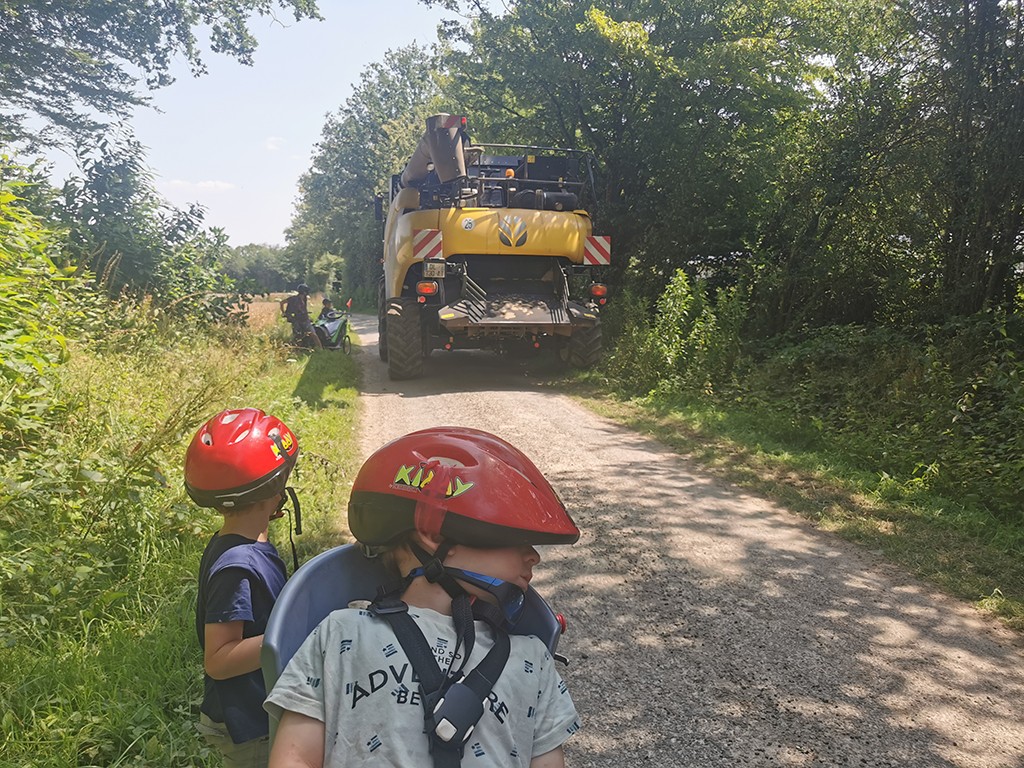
{"x":428,"y":674}
{"x":238,"y":463}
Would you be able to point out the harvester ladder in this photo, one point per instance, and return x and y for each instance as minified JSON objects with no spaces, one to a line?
{"x":474,"y":298}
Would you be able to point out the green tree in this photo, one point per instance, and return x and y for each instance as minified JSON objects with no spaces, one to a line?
{"x":974,"y":76}
{"x":902,"y":202}
{"x":361,"y":145}
{"x":31,"y":340}
{"x":263,"y":268}
{"x":71,"y":64}
{"x":120,"y":228}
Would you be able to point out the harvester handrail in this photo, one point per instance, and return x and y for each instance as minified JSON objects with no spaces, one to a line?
{"x":528,"y":146}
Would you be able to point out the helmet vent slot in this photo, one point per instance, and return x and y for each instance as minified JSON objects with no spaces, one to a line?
{"x":446,"y":461}
{"x":240,"y":437}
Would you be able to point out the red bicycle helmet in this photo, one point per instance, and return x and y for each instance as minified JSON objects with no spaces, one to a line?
{"x":239,"y":457}
{"x":467,"y":486}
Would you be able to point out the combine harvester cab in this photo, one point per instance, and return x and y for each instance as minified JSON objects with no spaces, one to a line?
{"x":483,"y":245}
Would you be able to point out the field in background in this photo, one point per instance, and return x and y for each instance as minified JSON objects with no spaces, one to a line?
{"x":265,"y":311}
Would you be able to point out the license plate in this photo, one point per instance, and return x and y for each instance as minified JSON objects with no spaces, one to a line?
{"x":433,"y":269}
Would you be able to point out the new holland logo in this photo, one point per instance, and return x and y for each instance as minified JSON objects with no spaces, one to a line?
{"x":512,"y":230}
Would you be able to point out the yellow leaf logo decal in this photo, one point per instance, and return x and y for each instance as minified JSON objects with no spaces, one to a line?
{"x":512,"y":231}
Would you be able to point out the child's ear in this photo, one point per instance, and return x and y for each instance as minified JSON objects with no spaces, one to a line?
{"x":428,"y":541}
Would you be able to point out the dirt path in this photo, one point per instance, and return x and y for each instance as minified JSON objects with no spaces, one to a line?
{"x":708,"y":627}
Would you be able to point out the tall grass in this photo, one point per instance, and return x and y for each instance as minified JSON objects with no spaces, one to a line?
{"x":99,"y":664}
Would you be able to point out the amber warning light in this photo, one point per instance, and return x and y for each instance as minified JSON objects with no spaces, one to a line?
{"x":600,"y":292}
{"x":426,"y":288}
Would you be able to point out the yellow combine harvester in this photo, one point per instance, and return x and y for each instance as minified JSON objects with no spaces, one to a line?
{"x":482,"y":245}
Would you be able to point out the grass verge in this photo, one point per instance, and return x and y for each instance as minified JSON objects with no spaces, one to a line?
{"x":120,"y":683}
{"x":957,"y":546}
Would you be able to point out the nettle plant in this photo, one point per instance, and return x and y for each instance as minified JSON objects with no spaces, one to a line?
{"x":31,"y":343}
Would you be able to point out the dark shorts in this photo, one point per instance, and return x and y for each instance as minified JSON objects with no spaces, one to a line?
{"x":249,"y":754}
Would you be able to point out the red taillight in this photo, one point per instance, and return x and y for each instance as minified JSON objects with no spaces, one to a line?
{"x":561,"y":622}
{"x":426,"y":288}
{"x":598,"y":290}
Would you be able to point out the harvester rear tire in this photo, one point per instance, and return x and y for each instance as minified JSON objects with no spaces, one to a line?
{"x":382,"y":323}
{"x":404,"y":339}
{"x":586,"y":346}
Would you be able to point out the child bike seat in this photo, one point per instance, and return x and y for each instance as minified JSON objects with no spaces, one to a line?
{"x":332,"y":580}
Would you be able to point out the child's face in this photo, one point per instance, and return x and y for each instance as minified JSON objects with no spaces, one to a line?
{"x":511,"y":564}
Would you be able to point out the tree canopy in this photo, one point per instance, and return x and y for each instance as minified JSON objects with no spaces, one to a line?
{"x":75,"y":64}
{"x":850,"y":161}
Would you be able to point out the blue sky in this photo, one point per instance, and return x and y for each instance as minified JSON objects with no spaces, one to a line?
{"x":237,"y":139}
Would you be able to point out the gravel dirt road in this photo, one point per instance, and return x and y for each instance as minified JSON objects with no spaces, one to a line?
{"x":709,"y":627}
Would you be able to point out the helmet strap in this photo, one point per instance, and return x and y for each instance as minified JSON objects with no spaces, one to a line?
{"x":435,"y":572}
{"x":289,"y":493}
{"x":433,"y":567}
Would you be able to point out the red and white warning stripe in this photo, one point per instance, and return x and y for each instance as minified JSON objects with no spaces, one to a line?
{"x":426,"y":244}
{"x":597,"y":250}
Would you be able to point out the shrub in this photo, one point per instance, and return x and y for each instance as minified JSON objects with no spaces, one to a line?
{"x":941,"y":408}
{"x":690,"y":348}
{"x":31,"y":343}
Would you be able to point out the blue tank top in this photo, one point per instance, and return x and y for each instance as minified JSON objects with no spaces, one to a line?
{"x":239,"y":580}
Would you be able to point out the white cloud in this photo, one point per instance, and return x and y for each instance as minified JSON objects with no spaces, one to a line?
{"x":274,"y":143}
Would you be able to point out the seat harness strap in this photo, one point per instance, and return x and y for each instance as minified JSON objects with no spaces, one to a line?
{"x":453,"y":702}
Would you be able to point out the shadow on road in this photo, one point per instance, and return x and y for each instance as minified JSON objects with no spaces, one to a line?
{"x":709,"y":628}
{"x":755,"y":642}
{"x":456,"y":371}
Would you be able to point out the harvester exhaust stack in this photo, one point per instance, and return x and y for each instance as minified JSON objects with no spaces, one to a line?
{"x":441,"y":145}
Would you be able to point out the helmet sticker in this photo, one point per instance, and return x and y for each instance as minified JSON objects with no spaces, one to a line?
{"x":404,"y":476}
{"x":285,"y":441}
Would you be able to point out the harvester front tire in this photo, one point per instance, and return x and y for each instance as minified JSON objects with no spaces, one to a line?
{"x":586,"y":346}
{"x":404,"y":334}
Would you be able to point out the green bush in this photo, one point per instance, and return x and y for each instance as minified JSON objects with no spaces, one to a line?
{"x":98,"y":548}
{"x":690,"y":348}
{"x":942,"y":408}
{"x":31,"y":343}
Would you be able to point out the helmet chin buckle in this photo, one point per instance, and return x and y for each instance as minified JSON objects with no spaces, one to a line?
{"x":433,"y":570}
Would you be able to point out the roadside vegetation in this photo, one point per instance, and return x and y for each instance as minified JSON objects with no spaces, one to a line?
{"x":817,"y":213}
{"x":908,"y":444}
{"x":98,"y":543}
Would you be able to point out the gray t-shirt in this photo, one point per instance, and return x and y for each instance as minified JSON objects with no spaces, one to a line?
{"x":352,"y":674}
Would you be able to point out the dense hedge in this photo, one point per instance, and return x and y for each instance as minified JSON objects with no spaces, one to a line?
{"x":935,"y":406}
